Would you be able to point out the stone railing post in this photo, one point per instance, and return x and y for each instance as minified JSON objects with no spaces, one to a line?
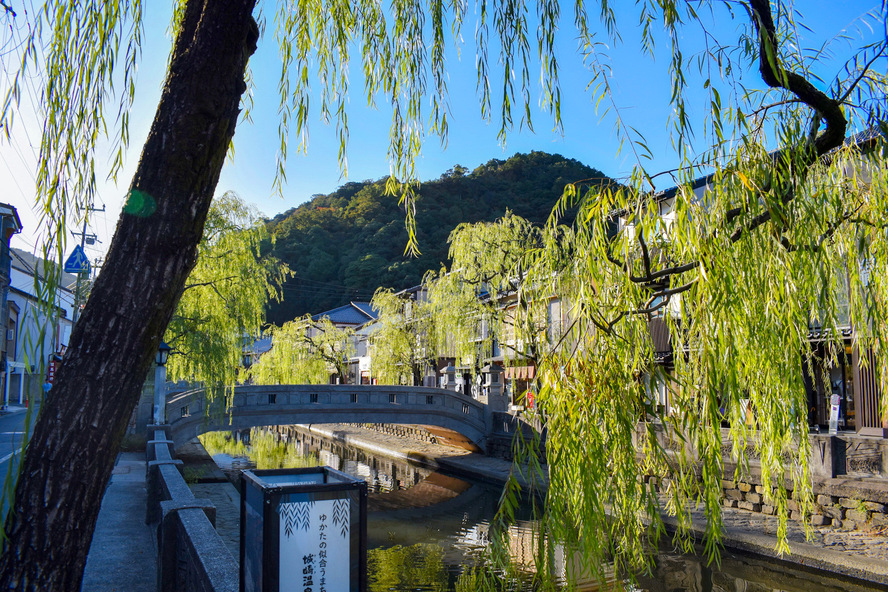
{"x":827,"y":456}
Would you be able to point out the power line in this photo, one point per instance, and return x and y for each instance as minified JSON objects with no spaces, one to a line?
{"x":345,"y":292}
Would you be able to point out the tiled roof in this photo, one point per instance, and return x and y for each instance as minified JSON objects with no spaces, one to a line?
{"x":366,"y":308}
{"x":349,"y":314}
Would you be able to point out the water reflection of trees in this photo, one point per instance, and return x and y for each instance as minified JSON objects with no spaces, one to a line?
{"x":263,"y":448}
{"x":415,"y":567}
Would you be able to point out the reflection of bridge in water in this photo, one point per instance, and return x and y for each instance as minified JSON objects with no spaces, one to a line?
{"x":393,"y":484}
{"x":408,"y":503}
{"x":190,"y":413}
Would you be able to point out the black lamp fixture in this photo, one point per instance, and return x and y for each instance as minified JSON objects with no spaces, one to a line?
{"x":163,"y":353}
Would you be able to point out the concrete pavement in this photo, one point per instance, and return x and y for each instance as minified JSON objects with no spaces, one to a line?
{"x":123,"y":554}
{"x":12,"y":431}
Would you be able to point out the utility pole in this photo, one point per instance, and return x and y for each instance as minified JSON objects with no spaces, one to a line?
{"x":84,"y":239}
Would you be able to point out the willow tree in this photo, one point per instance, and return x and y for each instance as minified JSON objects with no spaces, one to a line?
{"x":305,"y":351}
{"x":225,"y":296}
{"x":484,"y":299}
{"x":85,"y":46}
{"x":788,"y":233}
{"x":403,"y":339}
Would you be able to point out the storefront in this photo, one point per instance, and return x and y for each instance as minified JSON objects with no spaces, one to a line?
{"x":850,"y":377}
{"x":519,"y":382}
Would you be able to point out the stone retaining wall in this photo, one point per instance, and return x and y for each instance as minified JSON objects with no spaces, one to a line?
{"x":866,"y":508}
{"x":400,"y":431}
{"x":849,"y":485}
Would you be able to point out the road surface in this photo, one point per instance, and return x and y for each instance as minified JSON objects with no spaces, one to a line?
{"x":12,"y":429}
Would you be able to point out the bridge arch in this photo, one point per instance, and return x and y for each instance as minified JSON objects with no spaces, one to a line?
{"x":262,"y":405}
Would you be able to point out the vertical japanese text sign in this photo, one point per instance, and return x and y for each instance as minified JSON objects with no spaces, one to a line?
{"x":303,"y":530}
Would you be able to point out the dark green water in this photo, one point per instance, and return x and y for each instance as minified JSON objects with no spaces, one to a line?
{"x":425,"y":528}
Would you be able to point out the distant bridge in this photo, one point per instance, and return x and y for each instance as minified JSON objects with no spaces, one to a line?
{"x":262,"y":405}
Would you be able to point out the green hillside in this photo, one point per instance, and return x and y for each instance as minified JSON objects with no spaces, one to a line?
{"x":344,"y":245}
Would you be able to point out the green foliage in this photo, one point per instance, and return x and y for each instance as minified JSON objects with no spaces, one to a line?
{"x":486,"y":286}
{"x":738,"y":275}
{"x":776,"y":245}
{"x":403,"y":344}
{"x":305,"y":352}
{"x":225,"y":297}
{"x":345,"y":245}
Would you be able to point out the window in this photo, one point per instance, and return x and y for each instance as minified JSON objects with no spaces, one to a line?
{"x":183,"y":412}
{"x":430,"y":400}
{"x":313,"y":398}
{"x":272,"y":398}
{"x":391,"y":397}
{"x":354,"y":397}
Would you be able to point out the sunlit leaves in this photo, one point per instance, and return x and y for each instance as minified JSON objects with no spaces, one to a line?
{"x":223,"y":306}
{"x":403,"y":338}
{"x":304,"y":351}
{"x":767,"y":271}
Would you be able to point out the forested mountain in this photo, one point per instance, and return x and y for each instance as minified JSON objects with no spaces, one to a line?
{"x":344,"y":245}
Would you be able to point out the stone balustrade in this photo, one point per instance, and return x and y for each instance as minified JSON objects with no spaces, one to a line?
{"x":191,"y":557}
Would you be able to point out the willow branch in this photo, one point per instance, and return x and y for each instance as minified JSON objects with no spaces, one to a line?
{"x":646,"y":258}
{"x":775,"y":76}
{"x":862,"y":74}
{"x":824,"y":236}
{"x":211,"y":283}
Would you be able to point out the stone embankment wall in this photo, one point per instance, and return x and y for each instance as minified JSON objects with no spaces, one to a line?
{"x":827,"y":510}
{"x":849,"y":482}
{"x":861,"y":506}
{"x":401,"y":431}
{"x":850,"y":487}
{"x":499,"y":443}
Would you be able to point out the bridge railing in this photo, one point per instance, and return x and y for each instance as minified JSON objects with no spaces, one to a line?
{"x":191,"y":557}
{"x":188,"y":415}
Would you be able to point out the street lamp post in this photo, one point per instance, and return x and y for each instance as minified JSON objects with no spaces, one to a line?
{"x":163,"y":354}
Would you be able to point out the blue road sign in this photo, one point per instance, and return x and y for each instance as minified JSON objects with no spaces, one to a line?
{"x":77,"y":262}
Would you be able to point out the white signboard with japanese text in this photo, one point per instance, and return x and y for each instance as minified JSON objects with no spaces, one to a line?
{"x":314,"y":546}
{"x":835,"y":401}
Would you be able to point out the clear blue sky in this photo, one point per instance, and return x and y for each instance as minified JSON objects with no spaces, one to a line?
{"x":641,"y":92}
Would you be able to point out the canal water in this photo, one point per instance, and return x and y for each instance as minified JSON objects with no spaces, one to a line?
{"x":426,"y":528}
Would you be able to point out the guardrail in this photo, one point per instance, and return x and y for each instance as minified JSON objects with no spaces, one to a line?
{"x":191,"y":557}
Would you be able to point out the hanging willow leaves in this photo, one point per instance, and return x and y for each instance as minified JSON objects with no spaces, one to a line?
{"x":223,"y":305}
{"x":791,"y":221}
{"x":305,"y":351}
{"x":402,"y":338}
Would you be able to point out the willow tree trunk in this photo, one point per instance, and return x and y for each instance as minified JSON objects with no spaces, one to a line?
{"x":77,"y":437}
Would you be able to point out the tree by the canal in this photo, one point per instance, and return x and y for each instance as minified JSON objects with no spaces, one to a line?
{"x":487,"y":284}
{"x":748,"y":266}
{"x":403,"y":338}
{"x":223,"y":303}
{"x":305,"y":351}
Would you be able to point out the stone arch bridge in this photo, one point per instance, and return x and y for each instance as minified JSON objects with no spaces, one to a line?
{"x":190,"y":413}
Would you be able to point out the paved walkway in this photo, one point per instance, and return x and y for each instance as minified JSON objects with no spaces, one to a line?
{"x":12,"y":408}
{"x":123,"y":557}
